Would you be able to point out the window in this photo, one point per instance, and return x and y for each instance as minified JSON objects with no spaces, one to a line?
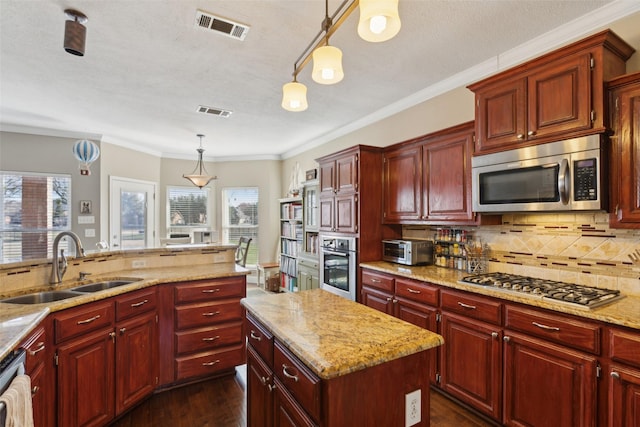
{"x":35,"y":208}
{"x":240,"y":218}
{"x":187,"y":209}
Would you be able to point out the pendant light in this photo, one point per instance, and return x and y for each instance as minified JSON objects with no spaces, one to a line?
{"x":294,"y":96}
{"x":200,"y":177}
{"x":75,"y":33}
{"x":379,"y":20}
{"x":327,"y":60}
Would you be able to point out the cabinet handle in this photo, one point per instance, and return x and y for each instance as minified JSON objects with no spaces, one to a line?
{"x":545,"y":327}
{"x":413,"y":291}
{"x":255,"y":337}
{"x":271,"y":387}
{"x":375,"y":281}
{"x":210,"y":291}
{"x":211,"y":338}
{"x":264,"y":380}
{"x":288,"y":375}
{"x":506,"y":338}
{"x":388,"y":299}
{"x":520,"y":136}
{"x":531,"y":133}
{"x":463,"y":305}
{"x":89,"y":320}
{"x":210,"y":363}
{"x":615,"y":375}
{"x":112,"y":335}
{"x":494,"y":335}
{"x":211,"y":313}
{"x":123,"y":330}
{"x":37,"y":350}
{"x":34,"y":390}
{"x":138,"y":304}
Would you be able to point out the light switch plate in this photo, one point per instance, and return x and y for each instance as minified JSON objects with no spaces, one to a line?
{"x":90,"y":232}
{"x":86,"y":219}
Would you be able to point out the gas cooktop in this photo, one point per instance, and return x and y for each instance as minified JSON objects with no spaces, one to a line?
{"x":578,"y":296}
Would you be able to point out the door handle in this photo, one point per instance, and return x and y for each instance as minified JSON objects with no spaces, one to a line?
{"x":564,"y":182}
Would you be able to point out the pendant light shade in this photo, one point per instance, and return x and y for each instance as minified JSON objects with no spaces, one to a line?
{"x":294,"y":96}
{"x":199,"y":177}
{"x":75,"y":33}
{"x":327,"y":65}
{"x":379,"y":20}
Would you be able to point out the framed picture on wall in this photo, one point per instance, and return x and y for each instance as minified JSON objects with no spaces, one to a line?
{"x":85,"y":207}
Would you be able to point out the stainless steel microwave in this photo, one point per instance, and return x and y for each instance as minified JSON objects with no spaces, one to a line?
{"x":558,"y":176}
{"x":408,"y":252}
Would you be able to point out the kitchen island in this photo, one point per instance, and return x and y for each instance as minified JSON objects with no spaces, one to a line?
{"x":333,"y":362}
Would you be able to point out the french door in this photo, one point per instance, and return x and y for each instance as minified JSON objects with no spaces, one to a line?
{"x":132,"y":213}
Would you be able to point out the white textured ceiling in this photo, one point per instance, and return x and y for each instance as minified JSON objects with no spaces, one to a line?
{"x":147,"y":68}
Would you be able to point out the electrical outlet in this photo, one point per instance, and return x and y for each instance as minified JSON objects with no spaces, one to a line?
{"x":413,"y":408}
{"x":219,"y":257}
{"x":140,"y":263}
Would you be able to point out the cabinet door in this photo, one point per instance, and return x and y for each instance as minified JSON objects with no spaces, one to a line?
{"x":86,"y":388}
{"x":402,"y":184}
{"x":287,"y":412}
{"x":377,"y":299}
{"x":625,"y":172}
{"x":624,"y":397}
{"x":327,"y":178}
{"x":38,"y":367}
{"x":559,"y":97}
{"x":136,"y":360}
{"x":346,"y":180}
{"x":259,"y":391}
{"x":472,"y":363}
{"x":346,"y":215}
{"x":447,"y":175}
{"x":547,"y":384}
{"x":326,"y":213}
{"x":501,"y":115}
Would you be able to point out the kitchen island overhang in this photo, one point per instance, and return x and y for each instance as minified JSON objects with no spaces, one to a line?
{"x":370,"y":365}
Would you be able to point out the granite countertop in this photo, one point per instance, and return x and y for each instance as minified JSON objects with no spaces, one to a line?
{"x":18,"y":320}
{"x":334,"y":336}
{"x":624,"y":312}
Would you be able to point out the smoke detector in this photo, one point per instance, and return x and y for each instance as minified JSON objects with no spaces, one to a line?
{"x":215,"y":111}
{"x":220,"y":25}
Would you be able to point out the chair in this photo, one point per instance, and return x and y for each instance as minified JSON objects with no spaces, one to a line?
{"x":243,"y":250}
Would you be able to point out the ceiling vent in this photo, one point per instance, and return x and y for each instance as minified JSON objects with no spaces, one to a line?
{"x":215,"y":111}
{"x":220,"y":25}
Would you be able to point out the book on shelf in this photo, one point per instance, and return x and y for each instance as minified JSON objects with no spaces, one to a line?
{"x":291,"y":211}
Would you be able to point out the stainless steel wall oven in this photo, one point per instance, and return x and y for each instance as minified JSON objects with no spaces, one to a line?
{"x":338,"y":265}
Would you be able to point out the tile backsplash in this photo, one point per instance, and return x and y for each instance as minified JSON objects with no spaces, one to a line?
{"x":577,"y":248}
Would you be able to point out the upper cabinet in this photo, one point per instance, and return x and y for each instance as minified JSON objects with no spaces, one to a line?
{"x":558,"y":95}
{"x":428,"y":179}
{"x":624,"y":99}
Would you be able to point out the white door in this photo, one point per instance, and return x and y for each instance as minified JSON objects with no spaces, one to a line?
{"x":132,"y":213}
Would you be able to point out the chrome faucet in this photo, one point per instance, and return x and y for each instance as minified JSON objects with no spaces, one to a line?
{"x":59,"y":264}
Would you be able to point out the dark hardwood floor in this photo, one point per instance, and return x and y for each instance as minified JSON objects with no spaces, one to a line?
{"x":221,"y":403}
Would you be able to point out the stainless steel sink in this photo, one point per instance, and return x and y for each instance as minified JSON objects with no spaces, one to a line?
{"x":41,"y":297}
{"x":101,"y":286}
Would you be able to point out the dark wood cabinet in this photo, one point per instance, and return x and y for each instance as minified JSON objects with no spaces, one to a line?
{"x":471,"y":368}
{"x":428,"y":180}
{"x":38,"y":347}
{"x":201,"y":329}
{"x":558,"y":95}
{"x":624,"y":101}
{"x":624,"y":397}
{"x":548,"y":384}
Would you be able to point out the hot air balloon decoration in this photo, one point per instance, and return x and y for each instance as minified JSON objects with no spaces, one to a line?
{"x":86,"y":152}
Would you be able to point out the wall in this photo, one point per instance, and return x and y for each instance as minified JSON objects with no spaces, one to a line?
{"x":49,"y":154}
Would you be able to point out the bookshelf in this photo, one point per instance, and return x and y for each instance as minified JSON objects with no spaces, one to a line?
{"x":291,"y":241}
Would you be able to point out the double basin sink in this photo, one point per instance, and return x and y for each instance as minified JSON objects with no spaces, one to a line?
{"x":51,"y":296}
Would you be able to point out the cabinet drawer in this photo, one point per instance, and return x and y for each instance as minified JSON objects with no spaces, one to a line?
{"x":137,"y":302}
{"x":78,"y":321}
{"x":624,"y":347}
{"x":303,"y":385}
{"x":35,"y":347}
{"x":377,"y":280}
{"x":210,"y":289}
{"x":195,"y":315}
{"x":562,"y":330}
{"x":260,"y":339}
{"x":208,"y":363}
{"x":208,"y":338}
{"x":417,"y":291}
{"x":472,"y":306}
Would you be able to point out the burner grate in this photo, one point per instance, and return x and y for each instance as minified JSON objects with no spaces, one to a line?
{"x":574,"y":294}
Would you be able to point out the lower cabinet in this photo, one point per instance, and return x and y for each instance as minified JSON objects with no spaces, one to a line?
{"x":308,"y":273}
{"x":106,"y":357}
{"x":623,"y":376}
{"x":38,"y":366}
